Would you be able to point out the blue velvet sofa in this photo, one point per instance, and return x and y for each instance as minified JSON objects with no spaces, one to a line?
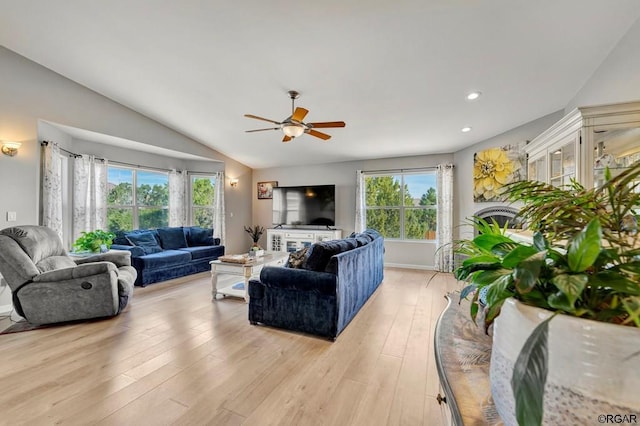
{"x":322,"y":297}
{"x":166,"y":253}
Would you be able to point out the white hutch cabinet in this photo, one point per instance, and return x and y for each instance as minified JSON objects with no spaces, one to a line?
{"x":291,"y":240}
{"x":584,"y":142}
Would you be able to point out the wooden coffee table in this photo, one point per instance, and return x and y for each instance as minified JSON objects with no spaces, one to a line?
{"x":245,"y":270}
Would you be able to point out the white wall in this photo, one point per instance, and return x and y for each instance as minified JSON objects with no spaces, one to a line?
{"x":463,"y":160}
{"x":343,"y":175}
{"x":30,"y":92}
{"x":617,"y":79}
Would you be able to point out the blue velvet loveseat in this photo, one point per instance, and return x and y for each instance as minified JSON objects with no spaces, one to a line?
{"x":336,"y":279}
{"x":166,"y":253}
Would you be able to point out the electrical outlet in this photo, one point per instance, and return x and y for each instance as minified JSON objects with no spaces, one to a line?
{"x":11,"y":216}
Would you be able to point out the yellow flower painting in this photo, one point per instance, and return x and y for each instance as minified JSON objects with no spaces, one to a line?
{"x":493,"y":168}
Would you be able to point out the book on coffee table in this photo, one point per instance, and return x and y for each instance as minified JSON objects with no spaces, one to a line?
{"x":235,"y":258}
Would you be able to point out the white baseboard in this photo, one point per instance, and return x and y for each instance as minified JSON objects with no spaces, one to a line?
{"x":407,"y":266}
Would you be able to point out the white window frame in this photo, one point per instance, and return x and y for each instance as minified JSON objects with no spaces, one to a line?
{"x":135,"y":207}
{"x":402,"y":208}
{"x":191,"y":177}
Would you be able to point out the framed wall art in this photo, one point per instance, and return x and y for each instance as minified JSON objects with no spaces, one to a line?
{"x":494,"y":168}
{"x":265,"y":189}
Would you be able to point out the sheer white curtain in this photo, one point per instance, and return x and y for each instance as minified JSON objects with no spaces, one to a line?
{"x":444,"y":252}
{"x":89,"y":194}
{"x":51,"y":205}
{"x":361,"y":217}
{"x":177,"y":197}
{"x":218,"y":211}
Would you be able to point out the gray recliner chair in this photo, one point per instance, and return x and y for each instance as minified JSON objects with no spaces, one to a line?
{"x":49,"y":286}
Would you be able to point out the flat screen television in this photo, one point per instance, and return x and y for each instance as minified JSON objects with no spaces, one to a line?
{"x":304,"y":205}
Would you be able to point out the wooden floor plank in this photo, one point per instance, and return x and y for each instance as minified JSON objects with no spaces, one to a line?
{"x":176,"y":357}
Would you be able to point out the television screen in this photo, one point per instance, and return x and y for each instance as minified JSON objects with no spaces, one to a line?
{"x":304,"y":205}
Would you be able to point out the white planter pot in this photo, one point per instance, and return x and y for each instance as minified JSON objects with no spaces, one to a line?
{"x":594,"y":367}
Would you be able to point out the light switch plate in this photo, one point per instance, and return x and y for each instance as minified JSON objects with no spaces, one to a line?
{"x":12,"y":216}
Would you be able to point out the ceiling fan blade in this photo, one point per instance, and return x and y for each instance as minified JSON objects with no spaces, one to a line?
{"x":261,"y":118}
{"x":299,"y":114}
{"x":286,"y":138}
{"x":320,"y":135}
{"x":326,"y":124}
{"x":262,"y":130}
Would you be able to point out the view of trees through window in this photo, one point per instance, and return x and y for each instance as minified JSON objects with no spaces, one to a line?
{"x":202,"y":198}
{"x":402,"y":206}
{"x":137,"y":199}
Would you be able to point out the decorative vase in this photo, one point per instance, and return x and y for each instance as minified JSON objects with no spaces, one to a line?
{"x":593,"y":367}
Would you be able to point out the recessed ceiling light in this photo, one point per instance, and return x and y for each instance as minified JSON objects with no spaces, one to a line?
{"x":465,"y":129}
{"x":473,"y":96}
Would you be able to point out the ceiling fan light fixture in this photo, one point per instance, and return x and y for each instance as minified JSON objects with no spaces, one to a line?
{"x":292,"y":130}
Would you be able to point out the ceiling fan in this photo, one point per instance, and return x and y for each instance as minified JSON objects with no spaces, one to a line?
{"x":293,"y":126}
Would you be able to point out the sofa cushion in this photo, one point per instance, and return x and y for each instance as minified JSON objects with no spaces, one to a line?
{"x":353,"y":242}
{"x":203,"y":252}
{"x":321,"y":253}
{"x":172,"y":238}
{"x":145,"y":240}
{"x":55,"y":262}
{"x":197,"y":236}
{"x":297,"y":259}
{"x":163,"y":259}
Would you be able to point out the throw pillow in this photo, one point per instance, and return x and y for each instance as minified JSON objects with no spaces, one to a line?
{"x":372,"y":233}
{"x":172,"y":238}
{"x":146,"y":241}
{"x":200,"y":236}
{"x":297,"y":259}
{"x":121,"y":239}
{"x":362,"y":240}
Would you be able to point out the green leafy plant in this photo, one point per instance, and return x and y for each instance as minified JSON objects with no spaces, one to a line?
{"x":91,"y":241}
{"x":584,"y":261}
{"x":255,"y":232}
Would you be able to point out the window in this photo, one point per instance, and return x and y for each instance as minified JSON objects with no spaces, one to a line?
{"x":137,"y":199}
{"x":402,"y":205}
{"x":202,"y":200}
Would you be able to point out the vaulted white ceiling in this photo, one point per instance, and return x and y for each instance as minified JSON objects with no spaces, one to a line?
{"x":396,"y":71}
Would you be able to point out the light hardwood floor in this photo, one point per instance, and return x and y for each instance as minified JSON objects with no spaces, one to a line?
{"x":174,"y":357}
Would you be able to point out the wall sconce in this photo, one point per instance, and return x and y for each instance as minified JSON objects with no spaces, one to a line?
{"x":233,"y":182}
{"x":10,"y":148}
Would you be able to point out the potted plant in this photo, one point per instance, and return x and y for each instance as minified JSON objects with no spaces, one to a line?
{"x":255,"y":232}
{"x":94,"y":241}
{"x":550,"y":298}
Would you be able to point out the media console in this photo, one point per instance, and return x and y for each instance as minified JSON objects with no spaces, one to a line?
{"x":290,"y":240}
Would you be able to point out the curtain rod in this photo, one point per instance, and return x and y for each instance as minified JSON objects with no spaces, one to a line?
{"x":413,"y":169}
{"x":121,"y":163}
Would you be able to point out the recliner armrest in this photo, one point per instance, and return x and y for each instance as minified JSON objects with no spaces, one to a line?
{"x":134,"y":250}
{"x":298,"y":279}
{"x":80,"y":271}
{"x":117,"y":257}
